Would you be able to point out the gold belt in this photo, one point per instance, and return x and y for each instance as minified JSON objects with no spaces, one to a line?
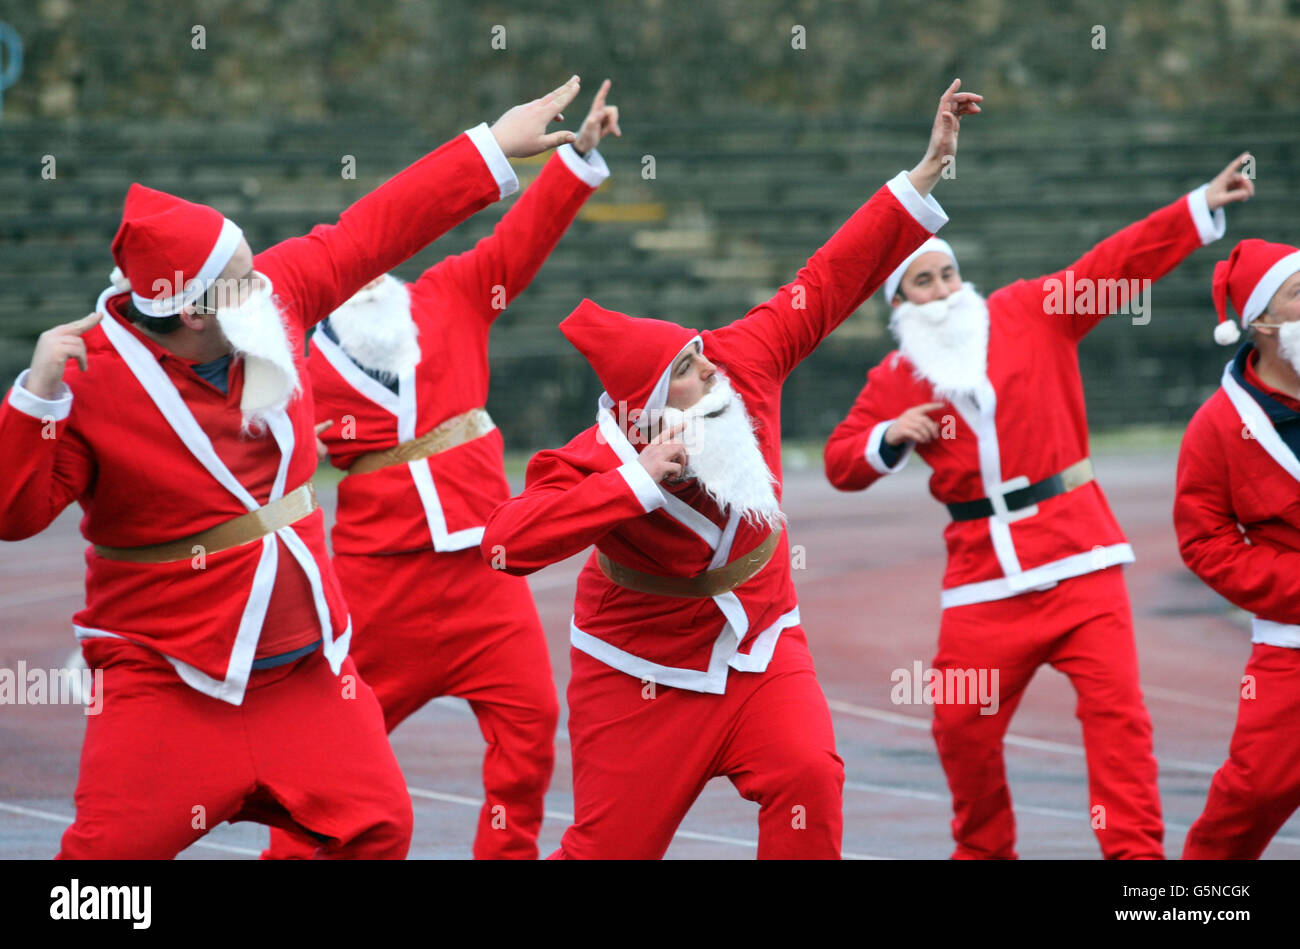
{"x":235,"y":532}
{"x":710,"y":583}
{"x":457,"y":430}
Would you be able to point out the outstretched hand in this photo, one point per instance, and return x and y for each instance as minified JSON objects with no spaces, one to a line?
{"x":521,"y":132}
{"x":953,"y":104}
{"x":602,"y":120}
{"x":1230,"y":185}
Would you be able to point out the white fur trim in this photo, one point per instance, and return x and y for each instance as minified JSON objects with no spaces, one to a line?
{"x":874,"y":441}
{"x":926,"y":210}
{"x":225,"y":247}
{"x":118,"y":279}
{"x":1275,"y":634}
{"x":642,"y":485}
{"x":29,"y":403}
{"x":1267,"y":286}
{"x":1209,"y":226}
{"x":932,"y":245}
{"x":1041,"y":577}
{"x":495,"y":158}
{"x":591,"y":170}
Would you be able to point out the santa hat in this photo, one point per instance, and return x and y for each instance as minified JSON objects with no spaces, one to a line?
{"x":633,"y":356}
{"x":1249,"y":277}
{"x":173,"y":248}
{"x":895,"y":278}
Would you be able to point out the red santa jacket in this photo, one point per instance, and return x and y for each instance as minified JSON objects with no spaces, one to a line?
{"x":1026,"y":422}
{"x":594,"y":491}
{"x":442,"y":501}
{"x":1237,"y":507}
{"x":153,"y":453}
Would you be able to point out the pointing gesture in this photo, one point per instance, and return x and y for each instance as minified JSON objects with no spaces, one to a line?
{"x":953,"y":104}
{"x":665,"y":457}
{"x":600,"y":121}
{"x":915,"y":425}
{"x":521,"y":132}
{"x":1230,"y":185}
{"x":53,"y":350}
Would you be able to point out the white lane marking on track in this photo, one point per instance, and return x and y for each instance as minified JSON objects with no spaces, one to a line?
{"x":1187,"y":698}
{"x":67,"y":821}
{"x":568,"y":818}
{"x":41,"y":594}
{"x":1020,"y":741}
{"x":1026,"y":808}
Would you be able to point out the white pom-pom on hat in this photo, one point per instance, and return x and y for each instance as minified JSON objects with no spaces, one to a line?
{"x":119,"y":280}
{"x":1226,"y":333}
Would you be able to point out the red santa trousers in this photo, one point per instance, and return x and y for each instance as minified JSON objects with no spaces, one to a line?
{"x":1258,"y":787}
{"x":1083,"y":627}
{"x":427,"y":624}
{"x":642,"y":754}
{"x":163,"y":763}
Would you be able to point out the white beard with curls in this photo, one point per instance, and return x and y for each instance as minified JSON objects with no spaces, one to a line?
{"x":722,"y":453}
{"x":256,"y":333}
{"x":945,"y":340}
{"x":376,"y":330}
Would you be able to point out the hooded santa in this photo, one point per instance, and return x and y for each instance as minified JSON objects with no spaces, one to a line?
{"x":989,"y":393}
{"x":688,"y":658}
{"x":1237,"y":513}
{"x":403,"y":371}
{"x":187,"y":439}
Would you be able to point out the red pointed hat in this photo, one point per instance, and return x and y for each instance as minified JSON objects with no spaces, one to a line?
{"x":171,"y":249}
{"x":631,"y":355}
{"x":1249,"y":277}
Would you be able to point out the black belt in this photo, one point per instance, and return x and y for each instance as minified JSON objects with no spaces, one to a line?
{"x":1077,"y":474}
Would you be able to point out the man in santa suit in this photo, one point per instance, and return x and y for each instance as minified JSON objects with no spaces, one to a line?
{"x":187,"y":439}
{"x":989,"y":393}
{"x":404,"y":372}
{"x":688,"y":659}
{"x":1237,"y":513}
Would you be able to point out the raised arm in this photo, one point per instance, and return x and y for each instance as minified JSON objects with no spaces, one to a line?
{"x":502,"y":265}
{"x":413,"y":208}
{"x":1101,"y":282}
{"x":856,"y":260}
{"x":1255,"y":577}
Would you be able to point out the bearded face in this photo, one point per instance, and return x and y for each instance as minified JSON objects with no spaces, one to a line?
{"x":376,"y":330}
{"x":257,"y":334}
{"x":946,"y":340}
{"x":723,"y":454}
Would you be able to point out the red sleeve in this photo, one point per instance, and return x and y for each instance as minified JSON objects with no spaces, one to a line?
{"x":776,"y":336}
{"x":1256,"y":577}
{"x":504,"y":263}
{"x":1100,"y":282}
{"x":44,"y":467}
{"x":563,"y":511}
{"x":395,"y":221}
{"x":852,"y":456}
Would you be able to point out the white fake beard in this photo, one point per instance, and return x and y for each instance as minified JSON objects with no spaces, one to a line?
{"x":722,"y":453}
{"x":256,"y":333}
{"x":1288,"y":343}
{"x":376,"y":330}
{"x":946,"y":340}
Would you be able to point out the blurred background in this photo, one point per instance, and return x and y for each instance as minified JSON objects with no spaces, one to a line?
{"x":751,"y":131}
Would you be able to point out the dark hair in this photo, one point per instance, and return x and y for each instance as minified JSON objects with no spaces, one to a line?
{"x":155,"y":324}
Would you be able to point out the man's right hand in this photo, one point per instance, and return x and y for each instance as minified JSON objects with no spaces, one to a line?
{"x":915,"y":425}
{"x":665,"y":456}
{"x":53,"y":350}
{"x":521,"y":132}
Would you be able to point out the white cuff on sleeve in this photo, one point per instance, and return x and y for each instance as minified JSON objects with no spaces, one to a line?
{"x":642,"y":485}
{"x":591,"y":170}
{"x":29,"y":403}
{"x":495,"y":158}
{"x":926,"y":210}
{"x":873,"y":449}
{"x":1210,"y":227}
